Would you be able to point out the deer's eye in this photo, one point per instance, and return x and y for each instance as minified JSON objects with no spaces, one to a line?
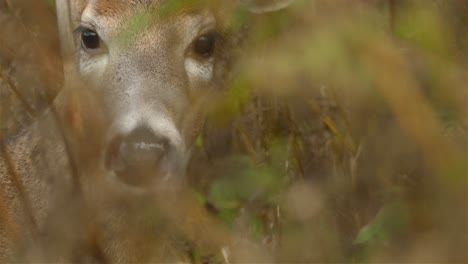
{"x":205,"y":45}
{"x":90,"y":39}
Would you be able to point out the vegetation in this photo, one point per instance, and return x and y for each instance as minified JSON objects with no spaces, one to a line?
{"x":341,"y":138}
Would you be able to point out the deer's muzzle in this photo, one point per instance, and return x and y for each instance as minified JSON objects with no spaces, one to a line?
{"x":138,"y":158}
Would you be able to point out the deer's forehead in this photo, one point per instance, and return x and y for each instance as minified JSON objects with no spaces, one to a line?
{"x":110,"y":14}
{"x":119,"y":8}
{"x":115,"y":8}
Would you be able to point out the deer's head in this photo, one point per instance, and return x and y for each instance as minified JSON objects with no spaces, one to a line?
{"x":153,"y":63}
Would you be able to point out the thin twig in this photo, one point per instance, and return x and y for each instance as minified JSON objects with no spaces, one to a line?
{"x":247,"y":143}
{"x":295,"y":145}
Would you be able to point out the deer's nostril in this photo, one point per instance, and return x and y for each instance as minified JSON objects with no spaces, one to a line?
{"x":136,"y":157}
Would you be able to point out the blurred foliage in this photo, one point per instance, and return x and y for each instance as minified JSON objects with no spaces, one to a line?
{"x":341,"y":138}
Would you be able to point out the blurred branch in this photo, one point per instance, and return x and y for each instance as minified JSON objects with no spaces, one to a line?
{"x":413,"y":111}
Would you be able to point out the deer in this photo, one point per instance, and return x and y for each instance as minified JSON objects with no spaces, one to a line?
{"x":151,"y":72}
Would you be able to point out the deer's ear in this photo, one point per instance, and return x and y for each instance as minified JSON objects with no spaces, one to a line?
{"x":66,"y":10}
{"x":264,"y":6}
{"x":65,"y":27}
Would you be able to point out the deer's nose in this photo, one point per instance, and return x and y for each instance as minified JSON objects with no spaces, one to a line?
{"x":136,"y":157}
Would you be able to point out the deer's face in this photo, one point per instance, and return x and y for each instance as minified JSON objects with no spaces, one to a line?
{"x":154,"y":70}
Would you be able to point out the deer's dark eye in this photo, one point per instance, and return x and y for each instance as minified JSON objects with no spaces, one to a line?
{"x":90,"y":39}
{"x":205,"y":45}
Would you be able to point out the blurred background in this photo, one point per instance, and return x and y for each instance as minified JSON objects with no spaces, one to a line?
{"x":342,"y":136}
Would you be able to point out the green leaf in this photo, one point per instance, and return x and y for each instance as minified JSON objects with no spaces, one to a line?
{"x":227,"y":216}
{"x":391,"y":220}
{"x":199,"y":197}
{"x":199,"y":141}
{"x":258,"y":227}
